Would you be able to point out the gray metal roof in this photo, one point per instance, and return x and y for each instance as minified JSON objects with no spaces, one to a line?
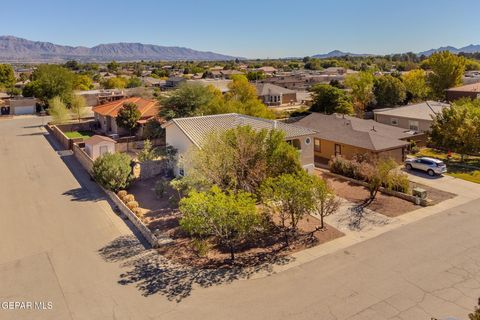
{"x":197,"y":128}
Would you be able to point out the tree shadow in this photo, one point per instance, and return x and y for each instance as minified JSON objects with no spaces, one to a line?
{"x":82,"y":194}
{"x":152,"y":273}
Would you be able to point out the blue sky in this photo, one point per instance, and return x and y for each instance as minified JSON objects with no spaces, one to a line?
{"x":259,"y":28}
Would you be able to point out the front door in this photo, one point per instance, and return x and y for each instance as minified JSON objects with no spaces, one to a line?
{"x":338,"y":149}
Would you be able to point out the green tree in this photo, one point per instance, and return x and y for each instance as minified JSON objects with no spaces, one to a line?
{"x":377,"y":176}
{"x":361,"y":85}
{"x":127,"y":117}
{"x":290,"y":197}
{"x":389,"y":91}
{"x":58,"y":110}
{"x":83,"y":82}
{"x":134,"y":82}
{"x":228,"y":217}
{"x":457,"y":128}
{"x":255,"y":75}
{"x":49,"y":81}
{"x":113,"y":66}
{"x":153,"y":129}
{"x":415,"y":82}
{"x":113,"y":171}
{"x":7,"y":76}
{"x":148,"y":152}
{"x":329,"y":99}
{"x":115,"y":83}
{"x":447,"y":71}
{"x":313,"y":64}
{"x":325,"y":202}
{"x":185,"y":101}
{"x":241,"y":158}
{"x":78,"y":107}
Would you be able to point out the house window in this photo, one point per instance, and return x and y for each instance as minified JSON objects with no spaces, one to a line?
{"x":413,"y":125}
{"x":338,"y":149}
{"x":308,"y":140}
{"x":317,"y":146}
{"x":295,"y":143}
{"x":394,"y":121}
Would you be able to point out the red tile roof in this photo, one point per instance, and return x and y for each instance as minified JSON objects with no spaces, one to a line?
{"x":147,"y":108}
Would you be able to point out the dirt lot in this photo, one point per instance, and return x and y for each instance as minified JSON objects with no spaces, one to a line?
{"x":385,"y":204}
{"x":161,"y":215}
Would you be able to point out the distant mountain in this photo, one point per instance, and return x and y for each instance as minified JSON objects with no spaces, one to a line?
{"x":468,"y":49}
{"x":13,"y":49}
{"x":338,"y":53}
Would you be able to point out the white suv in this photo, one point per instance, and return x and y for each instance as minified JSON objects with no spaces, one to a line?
{"x":429,"y":165}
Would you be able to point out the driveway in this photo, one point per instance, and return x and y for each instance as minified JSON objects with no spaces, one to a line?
{"x":61,"y":242}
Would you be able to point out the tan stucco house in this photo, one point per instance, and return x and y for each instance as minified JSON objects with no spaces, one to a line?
{"x":273,"y":95}
{"x":96,"y":146}
{"x":350,"y":136}
{"x":186,"y":133}
{"x":105,"y":114}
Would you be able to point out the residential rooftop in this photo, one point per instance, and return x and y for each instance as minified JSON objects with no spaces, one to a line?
{"x":264,"y":89}
{"x":422,"y":111}
{"x":147,"y":108}
{"x":197,"y":128}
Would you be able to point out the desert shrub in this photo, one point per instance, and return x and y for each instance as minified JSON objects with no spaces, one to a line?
{"x":113,"y":171}
{"x":398,"y":182}
{"x":121,"y":194}
{"x":132,"y":205}
{"x":413,"y":147}
{"x":344,"y":167}
{"x":201,"y":247}
{"x":160,"y":188}
{"x":128,"y":198}
{"x":137,"y":211}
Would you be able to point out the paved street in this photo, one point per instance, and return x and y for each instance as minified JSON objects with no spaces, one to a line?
{"x":61,"y":242}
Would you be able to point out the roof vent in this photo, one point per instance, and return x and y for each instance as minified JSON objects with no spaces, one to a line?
{"x":274,"y":124}
{"x":373,"y":128}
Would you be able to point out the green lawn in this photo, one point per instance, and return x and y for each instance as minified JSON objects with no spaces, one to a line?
{"x":85,"y":134}
{"x":469,"y":170}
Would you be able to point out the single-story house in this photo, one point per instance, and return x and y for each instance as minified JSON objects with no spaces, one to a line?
{"x":186,"y":133}
{"x":19,"y":106}
{"x":273,"y":95}
{"x":101,"y":96}
{"x":174,"y":82}
{"x":220,"y":84}
{"x":267,"y":70}
{"x":96,"y":146}
{"x":349,"y":136}
{"x":471,"y":91}
{"x":417,"y":117}
{"x":106,"y":114}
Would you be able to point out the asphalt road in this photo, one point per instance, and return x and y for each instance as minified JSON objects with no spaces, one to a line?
{"x":62,"y":243}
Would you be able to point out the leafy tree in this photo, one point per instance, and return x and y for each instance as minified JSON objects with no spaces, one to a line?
{"x":148,"y":152}
{"x":290,"y":197}
{"x":113,"y":171}
{"x":447,"y":71}
{"x":377,"y":176}
{"x":329,"y":99}
{"x":457,"y":128}
{"x":241,"y":158}
{"x":134,"y":82}
{"x":313,"y":64}
{"x":127,"y":117}
{"x":49,"y":81}
{"x":153,"y":129}
{"x":229,"y":217}
{"x":185,"y":101}
{"x":361,"y":85}
{"x":113,"y":66}
{"x":58,"y":110}
{"x":325,"y":202}
{"x":476,"y":314}
{"x":389,"y":91}
{"x":13,"y":91}
{"x":7,"y":76}
{"x":115,"y":83}
{"x":78,"y":107}
{"x":83,"y":82}
{"x":415,"y":82}
{"x":255,"y":75}
{"x":72,"y":65}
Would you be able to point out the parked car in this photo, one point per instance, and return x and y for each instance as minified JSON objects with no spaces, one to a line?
{"x":429,"y":165}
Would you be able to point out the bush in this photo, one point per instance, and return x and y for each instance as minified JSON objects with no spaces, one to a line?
{"x":121,"y":194}
{"x":138,"y":212}
{"x":398,"y":182}
{"x":113,"y":171}
{"x":201,"y":247}
{"x":160,"y":188}
{"x":132,"y":205}
{"x":128,"y":198}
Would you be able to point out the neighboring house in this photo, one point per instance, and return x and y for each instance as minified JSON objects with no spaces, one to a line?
{"x":19,"y":106}
{"x":349,"y":136}
{"x":186,"y":133}
{"x":153,"y":82}
{"x":101,"y":96}
{"x":267,"y":70}
{"x":174,"y":82}
{"x":417,"y":117}
{"x":471,"y":91}
{"x":106,"y":114}
{"x":273,"y":95}
{"x":96,"y":146}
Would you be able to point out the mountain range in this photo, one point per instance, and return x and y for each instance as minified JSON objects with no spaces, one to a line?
{"x":338,"y":53}
{"x":13,"y":49}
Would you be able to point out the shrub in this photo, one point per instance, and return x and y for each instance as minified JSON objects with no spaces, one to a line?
{"x":132,"y":205}
{"x":128,"y":198}
{"x":113,"y":171}
{"x":344,"y":167}
{"x":137,"y":211}
{"x":201,"y":247}
{"x":398,"y":182}
{"x":121,"y":194}
{"x":160,"y":188}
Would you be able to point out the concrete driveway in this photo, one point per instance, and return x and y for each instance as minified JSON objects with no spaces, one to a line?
{"x":61,"y":242}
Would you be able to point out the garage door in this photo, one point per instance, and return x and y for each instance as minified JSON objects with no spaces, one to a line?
{"x":25,"y":110}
